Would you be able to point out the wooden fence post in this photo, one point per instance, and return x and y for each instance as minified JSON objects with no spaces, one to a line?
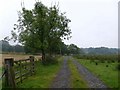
{"x":20,"y":68}
{"x":32,"y":64}
{"x":10,"y":75}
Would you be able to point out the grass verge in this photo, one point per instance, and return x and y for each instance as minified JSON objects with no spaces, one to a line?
{"x":76,"y":79}
{"x":0,"y":78}
{"x":43,"y":77}
{"x":107,"y":72}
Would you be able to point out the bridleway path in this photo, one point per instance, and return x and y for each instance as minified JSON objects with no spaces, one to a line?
{"x":62,"y":79}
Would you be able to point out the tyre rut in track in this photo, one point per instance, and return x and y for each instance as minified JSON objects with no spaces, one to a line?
{"x":62,"y":80}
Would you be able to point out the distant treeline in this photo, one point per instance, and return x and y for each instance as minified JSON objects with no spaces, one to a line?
{"x":6,"y":47}
{"x":63,"y":49}
{"x":99,"y":51}
{"x":99,"y":57}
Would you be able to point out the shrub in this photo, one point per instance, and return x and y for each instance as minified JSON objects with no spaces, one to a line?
{"x":96,"y":63}
{"x":50,"y":60}
{"x":106,"y":65}
{"x":118,"y":67}
{"x":118,"y":61}
{"x":108,"y":61}
{"x":102,"y":61}
{"x":113,"y":61}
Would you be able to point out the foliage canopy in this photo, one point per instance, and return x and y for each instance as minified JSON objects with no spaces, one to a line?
{"x":41,"y":28}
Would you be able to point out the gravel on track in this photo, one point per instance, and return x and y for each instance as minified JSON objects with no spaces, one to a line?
{"x":92,"y":80}
{"x":62,"y":80}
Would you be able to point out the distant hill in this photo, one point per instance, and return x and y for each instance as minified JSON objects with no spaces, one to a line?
{"x":6,"y":47}
{"x":100,"y":50}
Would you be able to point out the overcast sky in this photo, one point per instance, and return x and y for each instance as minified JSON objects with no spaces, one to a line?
{"x":94,"y":23}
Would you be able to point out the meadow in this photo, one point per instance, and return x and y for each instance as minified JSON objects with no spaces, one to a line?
{"x":16,"y":56}
{"x":105,"y":71}
{"x":43,"y":77}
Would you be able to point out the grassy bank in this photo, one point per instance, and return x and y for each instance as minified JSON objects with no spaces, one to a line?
{"x":107,"y":72}
{"x":76,"y":80}
{"x":0,"y":78}
{"x":43,"y":77}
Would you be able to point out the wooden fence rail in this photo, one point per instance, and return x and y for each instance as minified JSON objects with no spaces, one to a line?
{"x":17,"y":71}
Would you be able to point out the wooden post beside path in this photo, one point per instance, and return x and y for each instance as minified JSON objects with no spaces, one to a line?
{"x":9,"y":75}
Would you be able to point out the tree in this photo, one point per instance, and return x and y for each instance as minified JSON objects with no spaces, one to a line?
{"x":41,"y":28}
{"x":73,"y":49}
{"x":6,"y":47}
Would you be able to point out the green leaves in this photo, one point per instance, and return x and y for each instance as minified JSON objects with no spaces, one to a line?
{"x":42,"y":27}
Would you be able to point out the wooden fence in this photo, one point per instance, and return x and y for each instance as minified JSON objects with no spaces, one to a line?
{"x":17,"y":71}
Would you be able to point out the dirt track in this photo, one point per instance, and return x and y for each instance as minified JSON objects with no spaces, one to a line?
{"x":62,"y":80}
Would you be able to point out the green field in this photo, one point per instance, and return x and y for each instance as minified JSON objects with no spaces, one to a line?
{"x":43,"y":77}
{"x":109,"y":75}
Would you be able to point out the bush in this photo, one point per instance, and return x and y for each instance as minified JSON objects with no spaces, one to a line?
{"x":108,"y":61}
{"x":118,"y":61}
{"x":96,"y":63}
{"x":50,"y":60}
{"x":113,"y":61}
{"x":102,"y":61}
{"x":106,"y":65}
{"x":118,"y":67}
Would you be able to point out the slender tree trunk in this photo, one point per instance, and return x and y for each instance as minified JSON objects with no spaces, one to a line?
{"x":50,"y":52}
{"x":43,"y":56}
{"x":42,"y":48}
{"x":49,"y":48}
